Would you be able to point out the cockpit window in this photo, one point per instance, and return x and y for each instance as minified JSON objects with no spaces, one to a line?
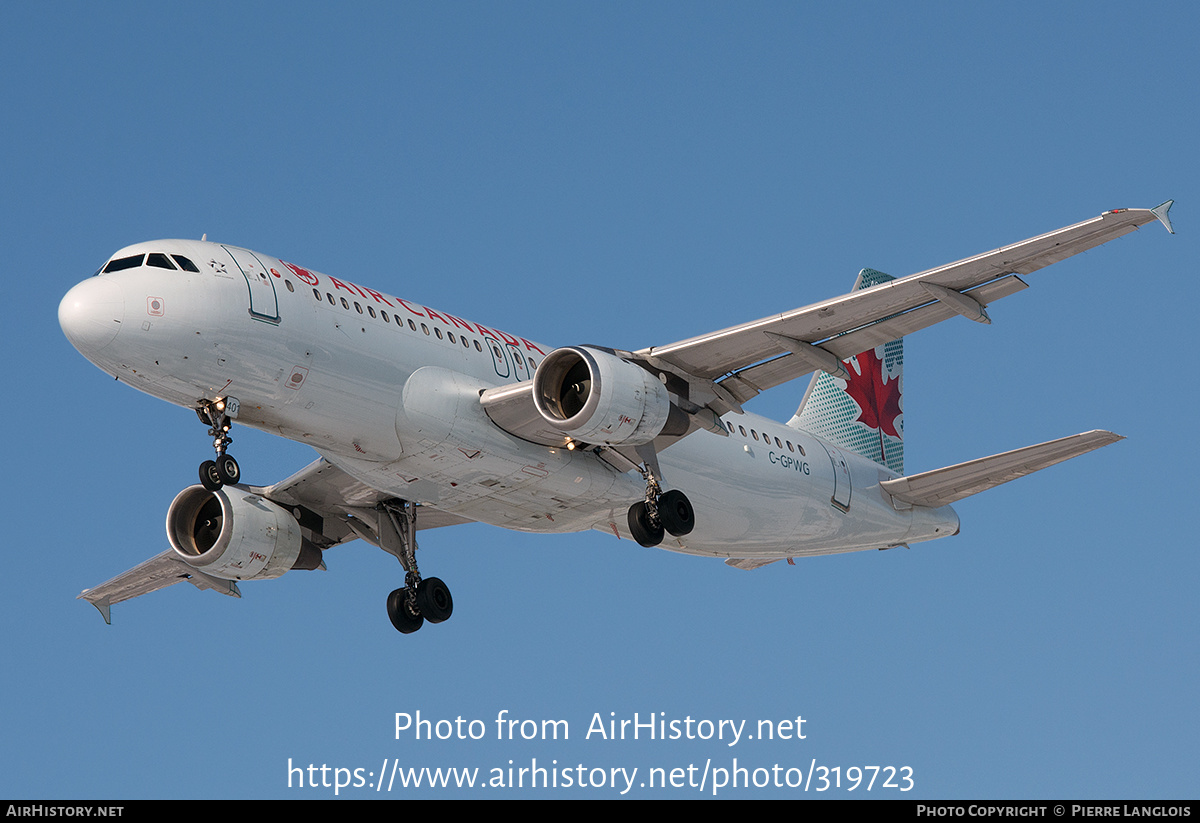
{"x":122,"y":263}
{"x":184,"y":263}
{"x":160,"y":260}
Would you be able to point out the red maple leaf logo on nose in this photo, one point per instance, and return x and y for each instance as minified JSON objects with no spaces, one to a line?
{"x":878,"y":402}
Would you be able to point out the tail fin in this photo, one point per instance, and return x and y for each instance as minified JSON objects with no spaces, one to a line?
{"x":864,"y":412}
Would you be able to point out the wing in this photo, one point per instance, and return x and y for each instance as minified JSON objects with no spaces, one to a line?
{"x":330,"y":506}
{"x":743,"y":360}
{"x":327,"y":502}
{"x":156,"y":573}
{"x":713,"y":374}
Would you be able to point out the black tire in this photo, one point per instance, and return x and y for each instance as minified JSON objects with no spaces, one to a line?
{"x":209,"y":477}
{"x":639,"y":525}
{"x":676,"y":513}
{"x":404,"y":622}
{"x":434,"y":600}
{"x":229,"y":470}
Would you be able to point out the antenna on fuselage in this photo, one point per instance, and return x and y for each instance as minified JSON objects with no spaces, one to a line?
{"x":204,"y":237}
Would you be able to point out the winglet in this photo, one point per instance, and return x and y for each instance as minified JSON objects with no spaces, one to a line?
{"x":102,"y":605}
{"x":1160,"y":211}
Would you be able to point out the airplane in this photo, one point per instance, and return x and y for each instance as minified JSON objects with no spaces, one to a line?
{"x":422,"y":419}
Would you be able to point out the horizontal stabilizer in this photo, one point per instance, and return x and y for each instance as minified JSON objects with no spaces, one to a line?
{"x":941,"y":487}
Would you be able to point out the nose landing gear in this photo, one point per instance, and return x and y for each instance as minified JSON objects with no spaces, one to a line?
{"x":224,"y":471}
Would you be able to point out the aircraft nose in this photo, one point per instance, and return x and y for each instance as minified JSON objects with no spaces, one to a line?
{"x":91,"y":314}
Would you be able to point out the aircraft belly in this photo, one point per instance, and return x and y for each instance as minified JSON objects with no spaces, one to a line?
{"x":457,"y":459}
{"x":557,"y":493}
{"x":757,"y":500}
{"x":738,"y":504}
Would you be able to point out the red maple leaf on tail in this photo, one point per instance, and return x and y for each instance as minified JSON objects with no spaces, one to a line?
{"x":878,"y":402}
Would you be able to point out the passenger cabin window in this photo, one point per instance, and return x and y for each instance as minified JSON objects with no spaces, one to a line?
{"x":122,"y":263}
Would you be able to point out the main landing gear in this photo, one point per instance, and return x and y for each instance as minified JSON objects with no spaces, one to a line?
{"x":224,"y":471}
{"x":420,"y":599}
{"x":660,"y":513}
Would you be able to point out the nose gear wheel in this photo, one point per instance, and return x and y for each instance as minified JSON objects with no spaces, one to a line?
{"x":209,"y":477}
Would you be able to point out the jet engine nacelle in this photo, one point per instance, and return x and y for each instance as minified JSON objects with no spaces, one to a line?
{"x":597,"y":397}
{"x":233,"y":534}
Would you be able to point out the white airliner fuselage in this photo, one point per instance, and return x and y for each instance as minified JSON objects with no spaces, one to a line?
{"x":396,"y":405}
{"x":421,"y":414}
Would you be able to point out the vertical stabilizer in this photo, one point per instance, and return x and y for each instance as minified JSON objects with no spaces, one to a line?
{"x":865,"y":413}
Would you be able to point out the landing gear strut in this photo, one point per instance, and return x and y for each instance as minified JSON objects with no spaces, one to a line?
{"x":224,"y":471}
{"x":421,"y":599}
{"x":660,"y":513}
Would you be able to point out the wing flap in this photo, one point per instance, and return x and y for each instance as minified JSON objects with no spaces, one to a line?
{"x":326,"y":495}
{"x":321,"y":486}
{"x":748,"y":382}
{"x":749,"y":563}
{"x":941,"y":487}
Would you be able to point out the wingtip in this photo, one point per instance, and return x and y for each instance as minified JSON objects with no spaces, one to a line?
{"x":1160,"y":211}
{"x":1101,"y":437}
{"x":102,"y":605}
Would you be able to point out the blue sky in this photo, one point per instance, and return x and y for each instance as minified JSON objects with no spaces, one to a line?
{"x":627,"y":175}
